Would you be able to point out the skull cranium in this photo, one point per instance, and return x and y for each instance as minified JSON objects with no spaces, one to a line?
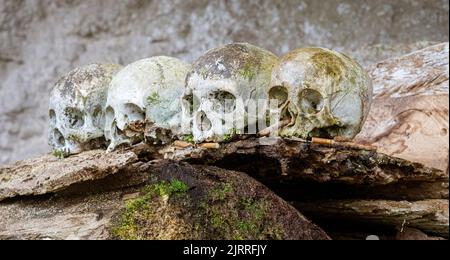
{"x":77,"y":109}
{"x":219,"y":88}
{"x":322,"y":93}
{"x":144,"y":101}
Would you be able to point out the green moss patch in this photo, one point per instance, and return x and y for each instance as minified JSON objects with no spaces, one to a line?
{"x":173,"y":210}
{"x":58,"y":154}
{"x":237,"y":218}
{"x":136,"y":219}
{"x":73,"y":138}
{"x":328,"y":63}
{"x":229,"y":136}
{"x":153,"y":98}
{"x":188,"y":138}
{"x":249,"y":71}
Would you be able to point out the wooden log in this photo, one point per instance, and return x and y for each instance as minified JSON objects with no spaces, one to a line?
{"x":423,"y":72}
{"x":409,"y":114}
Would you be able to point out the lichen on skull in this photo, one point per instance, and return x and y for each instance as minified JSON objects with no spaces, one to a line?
{"x":144,"y":101}
{"x":76,"y":111}
{"x":322,"y":93}
{"x":219,"y":90}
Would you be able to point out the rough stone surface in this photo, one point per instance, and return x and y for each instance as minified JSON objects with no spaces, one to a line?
{"x":406,"y":233}
{"x":271,"y":160}
{"x":49,"y":174}
{"x":74,"y":198}
{"x":295,"y":168}
{"x":41,"y":40}
{"x":431,"y":216}
{"x":216,"y":204}
{"x":75,"y":218}
{"x":423,"y":72}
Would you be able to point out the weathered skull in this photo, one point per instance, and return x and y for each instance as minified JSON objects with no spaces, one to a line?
{"x":322,"y":93}
{"x":144,"y":101}
{"x":77,"y":109}
{"x":219,"y":88}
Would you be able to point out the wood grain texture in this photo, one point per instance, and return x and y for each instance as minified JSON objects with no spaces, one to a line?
{"x":409,"y":114}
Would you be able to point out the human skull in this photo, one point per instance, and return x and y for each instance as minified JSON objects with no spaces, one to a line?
{"x":77,"y":109}
{"x":322,"y":93}
{"x":219,"y":88}
{"x":144,"y":101}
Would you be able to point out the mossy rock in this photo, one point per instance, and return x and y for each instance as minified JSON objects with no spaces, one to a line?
{"x":201,"y":202}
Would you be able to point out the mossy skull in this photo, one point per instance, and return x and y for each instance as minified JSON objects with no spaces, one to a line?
{"x":219,"y":88}
{"x":321,"y":93}
{"x":77,"y":109}
{"x":144,"y":101}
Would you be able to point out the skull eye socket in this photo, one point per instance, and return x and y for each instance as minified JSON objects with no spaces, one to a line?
{"x":52,"y":116}
{"x":97,"y":119}
{"x":311,"y":101}
{"x":190,"y":103}
{"x":223,"y":102}
{"x":75,"y":117}
{"x":278,"y":94}
{"x":133,"y":112}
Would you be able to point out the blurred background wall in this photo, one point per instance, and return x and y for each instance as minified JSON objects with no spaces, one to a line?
{"x":40,"y":40}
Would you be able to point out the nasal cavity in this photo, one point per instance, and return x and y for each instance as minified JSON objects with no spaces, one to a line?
{"x":202,"y":122}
